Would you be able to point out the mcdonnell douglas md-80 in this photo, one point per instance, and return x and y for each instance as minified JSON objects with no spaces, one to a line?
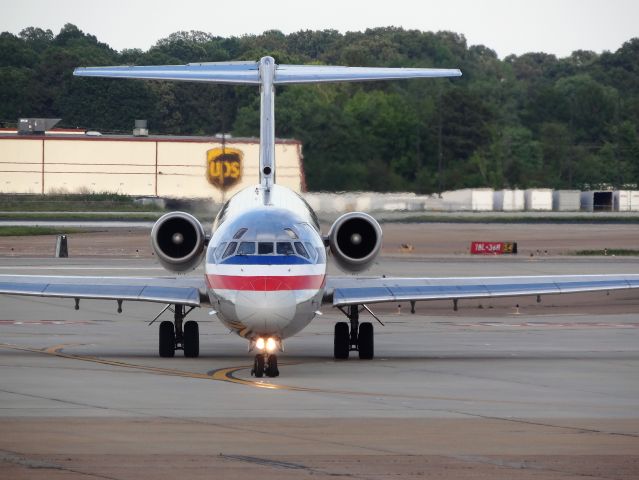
{"x":265,"y":273}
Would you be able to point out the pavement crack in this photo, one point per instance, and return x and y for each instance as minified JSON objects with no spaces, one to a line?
{"x":522,"y":465}
{"x":24,"y":461}
{"x":544,"y":424}
{"x":266,"y":462}
{"x":53,"y":399}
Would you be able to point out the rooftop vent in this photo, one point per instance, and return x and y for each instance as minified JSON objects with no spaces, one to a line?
{"x":140,"y":129}
{"x":36,"y":126}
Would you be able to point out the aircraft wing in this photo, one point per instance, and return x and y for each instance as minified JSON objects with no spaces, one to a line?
{"x":362,"y":290}
{"x":176,"y":290}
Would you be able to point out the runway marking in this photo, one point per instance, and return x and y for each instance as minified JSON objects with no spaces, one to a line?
{"x":222,"y":375}
{"x":227,"y":375}
{"x":552,"y":325}
{"x":46,"y":322}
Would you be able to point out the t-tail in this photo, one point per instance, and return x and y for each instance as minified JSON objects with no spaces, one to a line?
{"x":267,"y":74}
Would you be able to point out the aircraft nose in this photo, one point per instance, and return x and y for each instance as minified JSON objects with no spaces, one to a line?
{"x":266,"y":312}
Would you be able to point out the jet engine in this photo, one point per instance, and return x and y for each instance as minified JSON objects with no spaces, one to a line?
{"x":178,"y":241}
{"x":355,"y":240}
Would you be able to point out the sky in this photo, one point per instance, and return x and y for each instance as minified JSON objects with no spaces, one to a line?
{"x":506,"y":26}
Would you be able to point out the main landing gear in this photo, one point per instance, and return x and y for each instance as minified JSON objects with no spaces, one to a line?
{"x":176,"y":336}
{"x":359,"y":337}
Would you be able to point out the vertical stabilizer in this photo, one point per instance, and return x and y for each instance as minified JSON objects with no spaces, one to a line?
{"x":267,"y":122}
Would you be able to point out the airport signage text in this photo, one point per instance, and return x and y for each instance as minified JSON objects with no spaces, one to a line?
{"x":493,"y":248}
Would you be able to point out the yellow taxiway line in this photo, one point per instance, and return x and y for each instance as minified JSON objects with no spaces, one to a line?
{"x":228,"y":375}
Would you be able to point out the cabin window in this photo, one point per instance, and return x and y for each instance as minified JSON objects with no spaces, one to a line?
{"x":229,"y":250}
{"x":265,"y":248}
{"x":299,"y":248}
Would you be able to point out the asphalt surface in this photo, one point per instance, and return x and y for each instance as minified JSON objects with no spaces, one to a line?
{"x":507,"y":389}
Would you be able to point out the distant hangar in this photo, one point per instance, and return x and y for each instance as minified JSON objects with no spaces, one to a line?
{"x":65,"y":161}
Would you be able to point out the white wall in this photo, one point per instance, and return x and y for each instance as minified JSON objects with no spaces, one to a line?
{"x":143,"y":166}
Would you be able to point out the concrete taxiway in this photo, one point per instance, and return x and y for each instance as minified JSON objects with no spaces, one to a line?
{"x":505,"y":389}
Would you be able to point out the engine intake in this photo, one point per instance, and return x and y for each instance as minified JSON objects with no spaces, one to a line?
{"x":178,"y":241}
{"x":355,"y":239}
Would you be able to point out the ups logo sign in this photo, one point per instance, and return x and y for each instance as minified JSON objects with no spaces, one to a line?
{"x":224,"y":167}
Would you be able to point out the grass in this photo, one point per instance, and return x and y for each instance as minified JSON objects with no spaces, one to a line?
{"x":617,"y":252}
{"x":569,"y":219}
{"x":63,"y":202}
{"x":31,"y":231}
{"x":112,"y":216}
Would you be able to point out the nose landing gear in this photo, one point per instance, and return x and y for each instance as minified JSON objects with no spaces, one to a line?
{"x":265,"y":364}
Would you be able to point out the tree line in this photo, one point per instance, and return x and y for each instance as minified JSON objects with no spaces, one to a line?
{"x":532,"y":120}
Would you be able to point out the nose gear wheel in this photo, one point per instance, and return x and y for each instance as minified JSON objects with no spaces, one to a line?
{"x":265,"y":364}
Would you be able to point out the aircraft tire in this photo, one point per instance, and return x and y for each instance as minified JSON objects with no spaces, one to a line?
{"x":258,"y":366}
{"x":191,"y":339}
{"x":272,"y":370}
{"x":342,"y":341}
{"x":366,"y":338}
{"x":167,"y":339}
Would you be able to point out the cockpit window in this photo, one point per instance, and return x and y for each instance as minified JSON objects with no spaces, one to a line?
{"x":216,"y":253}
{"x":291,"y":233}
{"x":304,"y":251}
{"x":318,"y":254}
{"x":229,"y":250}
{"x":311,"y":251}
{"x":265,"y":248}
{"x":246,"y":248}
{"x":285,"y":248}
{"x":239,"y":233}
{"x":299,"y":247}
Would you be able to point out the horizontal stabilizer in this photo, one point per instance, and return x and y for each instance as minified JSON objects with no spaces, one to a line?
{"x":237,"y":73}
{"x":291,"y":74}
{"x":247,"y":73}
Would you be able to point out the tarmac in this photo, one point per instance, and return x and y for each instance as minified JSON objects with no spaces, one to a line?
{"x":496,"y":390}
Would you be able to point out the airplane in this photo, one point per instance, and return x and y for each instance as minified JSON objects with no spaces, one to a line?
{"x":265,"y":259}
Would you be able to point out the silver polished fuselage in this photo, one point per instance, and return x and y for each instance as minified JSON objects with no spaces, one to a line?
{"x":272,"y":293}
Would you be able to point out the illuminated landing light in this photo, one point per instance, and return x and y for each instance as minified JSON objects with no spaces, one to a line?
{"x":271,"y":345}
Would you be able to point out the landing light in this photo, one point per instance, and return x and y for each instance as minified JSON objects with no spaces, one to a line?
{"x":271,"y":345}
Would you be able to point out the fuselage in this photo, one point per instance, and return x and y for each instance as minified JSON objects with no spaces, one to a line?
{"x":266,"y":263}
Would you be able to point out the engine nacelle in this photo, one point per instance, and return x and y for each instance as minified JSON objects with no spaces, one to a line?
{"x":355,"y":239}
{"x":178,"y":241}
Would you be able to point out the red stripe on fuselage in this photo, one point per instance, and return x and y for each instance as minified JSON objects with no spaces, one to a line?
{"x":265,"y":283}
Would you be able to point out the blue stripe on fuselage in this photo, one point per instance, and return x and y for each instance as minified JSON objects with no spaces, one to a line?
{"x":266,"y":260}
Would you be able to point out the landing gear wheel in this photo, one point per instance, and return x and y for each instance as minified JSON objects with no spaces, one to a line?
{"x":271,"y":369}
{"x":342,"y":341}
{"x":167,"y":339}
{"x":258,"y":366}
{"x":191,"y":339}
{"x":366,"y":341}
